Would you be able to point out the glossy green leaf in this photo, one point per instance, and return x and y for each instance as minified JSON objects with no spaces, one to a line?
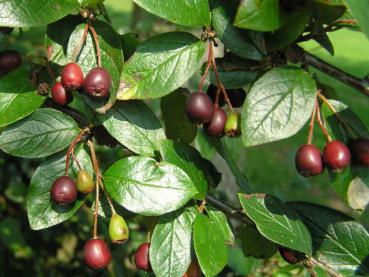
{"x":45,"y":132}
{"x":42,"y":212}
{"x":170,"y":249}
{"x":25,"y":13}
{"x":192,"y":13}
{"x":290,"y":31}
{"x":245,"y":44}
{"x":338,"y":241}
{"x":129,"y":41}
{"x":220,"y":219}
{"x":233,"y":79}
{"x":189,"y":160}
{"x":135,"y":126}
{"x":259,"y":15}
{"x":277,"y":221}
{"x":147,"y":187}
{"x":18,"y":98}
{"x":161,"y":64}
{"x":177,"y":124}
{"x":255,"y":245}
{"x":210,"y":247}
{"x":278,"y":106}
{"x":360,"y":10}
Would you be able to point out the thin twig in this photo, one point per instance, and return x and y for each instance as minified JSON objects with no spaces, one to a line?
{"x":203,"y":77}
{"x":96,"y":39}
{"x":77,"y":50}
{"x":324,"y":266}
{"x":113,"y":211}
{"x":70,"y":150}
{"x":311,"y":125}
{"x":320,"y":122}
{"x":97,"y":192}
{"x":336,"y":114}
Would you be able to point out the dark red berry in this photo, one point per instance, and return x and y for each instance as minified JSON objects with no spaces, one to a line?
{"x":212,"y":92}
{"x":142,"y":260}
{"x":289,"y":255}
{"x":199,"y":108}
{"x":60,"y":95}
{"x":216,"y":126}
{"x":9,"y":60}
{"x":360,"y":151}
{"x":336,"y":155}
{"x":236,"y":97}
{"x":193,"y":270}
{"x":64,"y":191}
{"x":96,"y":254}
{"x":72,"y":77}
{"x":309,"y":160}
{"x":6,"y":30}
{"x":97,"y":82}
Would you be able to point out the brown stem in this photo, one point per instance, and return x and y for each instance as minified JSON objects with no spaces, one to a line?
{"x":77,"y":50}
{"x":97,"y":44}
{"x":217,"y":78}
{"x":70,"y":150}
{"x":76,"y":160}
{"x":113,"y":211}
{"x":97,"y":192}
{"x":336,"y":114}
{"x":216,"y":104}
{"x":311,"y":126}
{"x":320,"y":122}
{"x":203,"y":77}
{"x":324,"y":266}
{"x":361,"y":85}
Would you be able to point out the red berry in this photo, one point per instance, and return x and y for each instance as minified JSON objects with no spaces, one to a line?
{"x":9,"y":60}
{"x":199,"y":108}
{"x":96,"y":254}
{"x":360,"y":151}
{"x":289,"y":255}
{"x":309,"y":161}
{"x":142,"y":260}
{"x":98,"y":82}
{"x":60,"y":95}
{"x":216,"y":126}
{"x":193,"y":270}
{"x":72,"y":77}
{"x":336,"y":155}
{"x":64,"y":191}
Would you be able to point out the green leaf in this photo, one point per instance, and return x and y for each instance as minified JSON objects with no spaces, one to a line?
{"x":278,"y":106}
{"x":177,"y":125}
{"x":338,"y":241}
{"x":210,"y":247}
{"x":42,"y":212}
{"x":360,"y":10}
{"x":63,"y":46}
{"x":135,"y":126}
{"x":246,"y":44}
{"x":129,"y":42}
{"x":191,"y":13}
{"x":161,"y":64}
{"x":325,"y":42}
{"x":147,"y":187}
{"x":170,"y":249}
{"x":233,"y":79}
{"x":255,"y":245}
{"x":23,"y":13}
{"x":18,"y":98}
{"x":293,"y":27}
{"x":189,"y":160}
{"x":220,"y":219}
{"x":45,"y":132}
{"x":259,"y":15}
{"x":277,"y":221}
{"x":326,"y":13}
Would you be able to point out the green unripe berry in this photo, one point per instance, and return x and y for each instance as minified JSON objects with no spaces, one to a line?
{"x":232,"y":127}
{"x":118,"y":229}
{"x":84,"y":183}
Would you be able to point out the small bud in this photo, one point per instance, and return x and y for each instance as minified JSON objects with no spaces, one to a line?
{"x":118,"y":229}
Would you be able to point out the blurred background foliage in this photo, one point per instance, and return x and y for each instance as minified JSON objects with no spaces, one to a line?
{"x":270,"y":168}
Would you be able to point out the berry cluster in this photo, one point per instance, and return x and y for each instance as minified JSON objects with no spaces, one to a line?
{"x":97,"y":83}
{"x":206,"y":109}
{"x":142,"y":262}
{"x":9,"y":60}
